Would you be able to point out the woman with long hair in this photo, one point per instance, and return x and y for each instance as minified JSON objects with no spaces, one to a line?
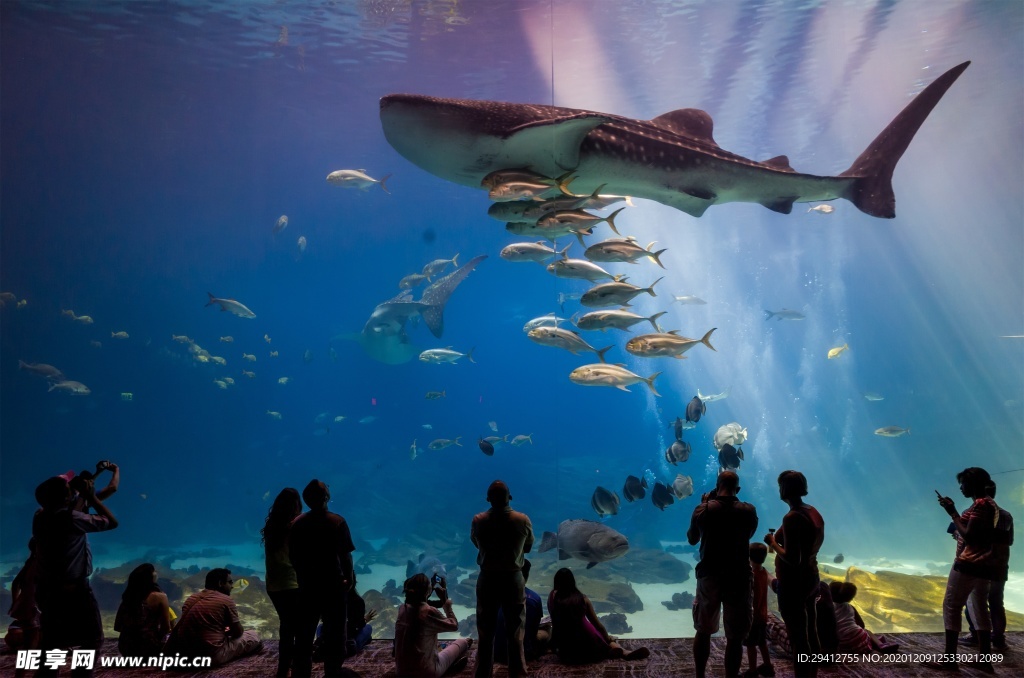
{"x":577,"y":634}
{"x":282,"y":584}
{"x":144,"y":616}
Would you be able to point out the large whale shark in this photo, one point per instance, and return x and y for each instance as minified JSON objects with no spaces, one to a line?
{"x":384,"y":336}
{"x":672,"y":159}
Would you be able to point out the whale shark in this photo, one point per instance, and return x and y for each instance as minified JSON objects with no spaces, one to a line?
{"x":384,"y":337}
{"x":672,"y":159}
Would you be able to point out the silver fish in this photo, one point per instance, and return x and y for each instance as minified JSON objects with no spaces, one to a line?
{"x":549,"y":320}
{"x":892,"y":431}
{"x":442,"y":443}
{"x":531,"y":251}
{"x":356,"y":178}
{"x":550,"y":232}
{"x":566,"y":339}
{"x":617,"y":376}
{"x":625,"y":250}
{"x":666,"y":344}
{"x":412,"y":280}
{"x":618,"y":293}
{"x":712,"y":397}
{"x":784,"y":314}
{"x":682,"y":486}
{"x":438,"y":265}
{"x":504,"y":176}
{"x":524,"y":190}
{"x":521,"y":440}
{"x":873,"y":397}
{"x":580,"y":269}
{"x":232,"y":306}
{"x":578,"y":219}
{"x":70,"y":387}
{"x":690,"y":299}
{"x":617,"y":319}
{"x":444,"y":355}
{"x":281,"y":224}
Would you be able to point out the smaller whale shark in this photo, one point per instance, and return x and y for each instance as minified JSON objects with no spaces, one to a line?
{"x":672,"y":158}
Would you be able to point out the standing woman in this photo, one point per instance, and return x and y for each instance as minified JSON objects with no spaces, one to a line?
{"x":144,"y":616}
{"x":976,"y":564}
{"x":282,"y":584}
{"x":796,"y":546}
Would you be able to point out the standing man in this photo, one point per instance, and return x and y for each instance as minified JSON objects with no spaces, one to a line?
{"x":723,"y":525}
{"x":70,"y":615}
{"x":320,"y":547}
{"x":503,"y":536}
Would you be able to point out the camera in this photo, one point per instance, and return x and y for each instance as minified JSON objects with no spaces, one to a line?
{"x":78,"y":482}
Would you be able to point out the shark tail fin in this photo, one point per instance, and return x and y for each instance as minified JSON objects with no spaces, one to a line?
{"x":871,"y":190}
{"x":437,"y":294}
{"x":383,"y":185}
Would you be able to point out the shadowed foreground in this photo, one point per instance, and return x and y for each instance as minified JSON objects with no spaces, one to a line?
{"x":669,"y":657}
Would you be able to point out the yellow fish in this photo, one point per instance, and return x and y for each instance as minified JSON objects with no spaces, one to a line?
{"x":240,"y":585}
{"x":834,"y":353}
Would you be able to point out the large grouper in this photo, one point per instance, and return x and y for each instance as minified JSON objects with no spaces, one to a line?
{"x":672,"y":159}
{"x":585,"y":540}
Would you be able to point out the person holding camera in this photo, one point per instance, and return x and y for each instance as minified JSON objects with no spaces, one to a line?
{"x":419,"y":622}
{"x":78,"y":502}
{"x":70,"y":614}
{"x":723,"y":525}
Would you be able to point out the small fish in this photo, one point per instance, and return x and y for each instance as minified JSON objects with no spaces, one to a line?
{"x":413,"y":450}
{"x":181,"y":339}
{"x":356,"y":179}
{"x":873,"y":397}
{"x":231,"y":306}
{"x":43,"y":370}
{"x":368,"y":419}
{"x":838,"y":559}
{"x":485,"y":447}
{"x":221,"y":384}
{"x":678,"y":451}
{"x":617,"y":376}
{"x":202,"y":358}
{"x":682,"y":486}
{"x":228,"y":339}
{"x":522,"y":440}
{"x":712,"y":397}
{"x":549,"y":320}
{"x":666,"y":344}
{"x":247,"y":373}
{"x":604,"y":502}
{"x":444,"y":355}
{"x":836,"y":352}
{"x":307,"y":356}
{"x":729,"y":457}
{"x":892,"y":431}
{"x":143,"y":496}
{"x":434,"y":395}
{"x":619,"y":319}
{"x":634,"y":488}
{"x":557,"y":337}
{"x":438,"y":265}
{"x":784,"y":314}
{"x":536,"y":252}
{"x":322,"y":431}
{"x":228,"y":380}
{"x":614,"y":294}
{"x":412,"y":280}
{"x":266,"y":338}
{"x":493,"y":425}
{"x":70,"y":387}
{"x":218,"y":359}
{"x":266,"y":495}
{"x":240,"y":585}
{"x":497,"y":440}
{"x":249,"y":356}
{"x":22,"y":304}
{"x":301,"y":243}
{"x":661,"y":496}
{"x":689,"y":299}
{"x":822,"y":209}
{"x":695,"y":409}
{"x":84,"y":319}
{"x":442,"y":443}
{"x":119,"y":335}
{"x":339,"y":418}
{"x":280,"y":224}
{"x":273,"y":354}
{"x":580,"y":269}
{"x":276,"y":416}
{"x":283,"y":380}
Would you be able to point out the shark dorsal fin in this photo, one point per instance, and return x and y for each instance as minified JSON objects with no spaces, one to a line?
{"x":688,"y":122}
{"x":779,"y":162}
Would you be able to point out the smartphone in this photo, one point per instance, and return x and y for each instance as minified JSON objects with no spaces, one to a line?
{"x":937,"y":494}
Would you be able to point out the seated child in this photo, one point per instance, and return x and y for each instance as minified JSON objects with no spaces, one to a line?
{"x":853,"y":637}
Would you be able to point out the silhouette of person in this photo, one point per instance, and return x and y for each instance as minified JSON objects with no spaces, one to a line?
{"x":723,"y":525}
{"x":502,"y":536}
{"x":68,"y":608}
{"x":320,"y":547}
{"x":78,"y":501}
{"x":282,"y":583}
{"x":23,"y":632}
{"x":144,"y":615}
{"x":535,"y":639}
{"x":757,"y":638}
{"x":416,"y":631}
{"x":850,"y":631}
{"x":1001,"y":547}
{"x":209,"y":625}
{"x":796,"y":545}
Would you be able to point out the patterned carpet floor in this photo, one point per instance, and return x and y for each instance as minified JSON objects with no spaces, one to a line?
{"x":669,"y":657}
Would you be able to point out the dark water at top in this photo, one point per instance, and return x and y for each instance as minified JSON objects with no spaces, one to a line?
{"x":149,"y":148}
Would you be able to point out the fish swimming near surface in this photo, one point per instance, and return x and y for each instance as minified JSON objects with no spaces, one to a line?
{"x":604,"y":502}
{"x":784,"y":314}
{"x":356,"y":179}
{"x":48,"y":372}
{"x":231,"y":306}
{"x":690,"y":299}
{"x":384,"y":337}
{"x":837,"y":351}
{"x":712,"y":397}
{"x":672,"y":159}
{"x":695,"y":409}
{"x":729,"y":457}
{"x":892,"y":431}
{"x":485,"y":447}
{"x":662,"y":496}
{"x":873,"y":397}
{"x":634,"y":488}
{"x":678,"y":451}
{"x":682,"y":486}
{"x":586,"y":540}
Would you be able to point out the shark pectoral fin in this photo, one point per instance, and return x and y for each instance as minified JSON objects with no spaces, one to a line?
{"x":688,"y":122}
{"x":553,"y":146}
{"x":780,"y":205}
{"x":693,"y":201}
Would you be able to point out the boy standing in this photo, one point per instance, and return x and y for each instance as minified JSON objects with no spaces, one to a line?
{"x":757,"y":638}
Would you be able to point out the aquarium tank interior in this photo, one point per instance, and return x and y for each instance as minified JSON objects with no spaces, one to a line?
{"x":245,"y":244}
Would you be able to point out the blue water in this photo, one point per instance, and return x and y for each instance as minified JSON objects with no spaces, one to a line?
{"x":149,"y":148}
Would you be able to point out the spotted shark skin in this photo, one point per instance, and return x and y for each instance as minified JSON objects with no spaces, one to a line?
{"x":672,"y":159}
